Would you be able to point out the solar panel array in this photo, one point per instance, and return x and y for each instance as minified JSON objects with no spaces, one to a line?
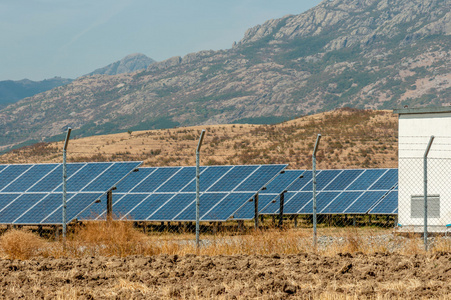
{"x":269,"y":195}
{"x":168,"y":193}
{"x":32,"y":193}
{"x":356,"y":191}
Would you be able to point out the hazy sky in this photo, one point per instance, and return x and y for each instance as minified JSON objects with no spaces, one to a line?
{"x":69,"y":38}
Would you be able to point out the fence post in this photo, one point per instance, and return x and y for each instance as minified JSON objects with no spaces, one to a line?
{"x":66,"y":143}
{"x":198,"y":186}
{"x":318,"y":138}
{"x":425,"y":178}
{"x":256,"y":211}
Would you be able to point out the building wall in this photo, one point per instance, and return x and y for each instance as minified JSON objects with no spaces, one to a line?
{"x":414,"y":134}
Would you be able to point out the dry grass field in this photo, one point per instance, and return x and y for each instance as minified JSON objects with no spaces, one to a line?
{"x":351,"y":138}
{"x":115,"y":261}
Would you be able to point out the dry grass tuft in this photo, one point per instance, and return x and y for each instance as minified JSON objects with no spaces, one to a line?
{"x":21,"y":244}
{"x":353,"y":241}
{"x":117,"y":238}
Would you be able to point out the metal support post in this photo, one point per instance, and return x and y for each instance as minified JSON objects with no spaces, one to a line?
{"x":425,"y":163}
{"x":282,"y":199}
{"x":65,"y":186}
{"x":295,"y":221}
{"x":109,"y":206}
{"x":318,"y":138}
{"x":202,"y":134}
{"x":256,"y":211}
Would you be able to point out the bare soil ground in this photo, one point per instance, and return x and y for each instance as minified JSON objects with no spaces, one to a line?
{"x":297,"y":276}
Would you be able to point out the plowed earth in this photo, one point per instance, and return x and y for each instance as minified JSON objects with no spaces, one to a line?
{"x":230,"y":277}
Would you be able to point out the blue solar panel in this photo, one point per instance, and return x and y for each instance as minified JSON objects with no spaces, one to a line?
{"x":172,"y":208}
{"x":282,"y":182}
{"x":54,"y":179}
{"x":323,"y":179}
{"x":258,"y":179}
{"x":305,"y":181}
{"x":155,"y":180}
{"x":133,"y":179}
{"x":363,"y":204}
{"x":11,"y":173}
{"x":32,"y":193}
{"x":15,"y":208}
{"x":366,"y":179}
{"x":295,"y":202}
{"x":322,"y":200}
{"x":233,"y":178}
{"x":41,"y":209}
{"x":150,"y":203}
{"x":387,"y":181}
{"x":272,"y":193}
{"x":207,"y":178}
{"x":112,"y":174}
{"x":85,"y":176}
{"x":76,"y":204}
{"x":6,"y":199}
{"x":29,"y":178}
{"x":343,"y":201}
{"x":338,"y":192}
{"x":247,"y":212}
{"x":180,"y":205}
{"x":227,"y":207}
{"x":179,"y":181}
{"x":207,"y":201}
{"x":388,"y":205}
{"x":343,"y":180}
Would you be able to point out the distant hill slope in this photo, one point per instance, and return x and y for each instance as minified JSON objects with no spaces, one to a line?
{"x":128,"y":64}
{"x":12,"y":91}
{"x":351,"y":139}
{"x":361,"y":53}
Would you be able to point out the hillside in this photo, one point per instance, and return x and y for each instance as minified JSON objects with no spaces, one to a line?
{"x":128,"y":64}
{"x":351,"y":138}
{"x":361,"y":53}
{"x":11,"y":91}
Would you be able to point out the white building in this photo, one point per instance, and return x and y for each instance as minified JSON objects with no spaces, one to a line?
{"x":416,"y":126}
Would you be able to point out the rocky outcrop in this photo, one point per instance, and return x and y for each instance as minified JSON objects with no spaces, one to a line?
{"x":128,"y":64}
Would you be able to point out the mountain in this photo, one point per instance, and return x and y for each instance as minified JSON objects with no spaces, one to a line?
{"x":128,"y":64}
{"x":360,"y":53}
{"x":12,"y":91}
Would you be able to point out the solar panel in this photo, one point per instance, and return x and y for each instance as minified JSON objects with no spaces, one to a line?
{"x":270,"y":195}
{"x":388,"y":205}
{"x":168,"y":193}
{"x":354,"y":191}
{"x":32,"y":193}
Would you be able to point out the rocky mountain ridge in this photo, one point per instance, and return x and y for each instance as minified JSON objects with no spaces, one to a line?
{"x":130,"y":63}
{"x":359,"y":53}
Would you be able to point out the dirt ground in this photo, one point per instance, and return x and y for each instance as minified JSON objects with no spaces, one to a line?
{"x":301,"y":276}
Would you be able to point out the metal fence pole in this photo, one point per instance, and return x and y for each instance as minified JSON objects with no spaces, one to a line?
{"x":64,"y":184}
{"x":198,"y":186}
{"x":318,"y":138}
{"x":425,"y":178}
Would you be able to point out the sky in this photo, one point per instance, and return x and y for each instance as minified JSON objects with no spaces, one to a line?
{"x":69,"y":38}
